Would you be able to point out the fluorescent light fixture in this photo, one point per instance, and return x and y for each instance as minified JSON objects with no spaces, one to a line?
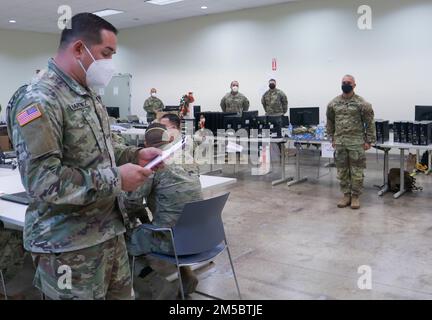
{"x":203,"y":7}
{"x":163,"y":2}
{"x":12,"y":21}
{"x":107,"y":12}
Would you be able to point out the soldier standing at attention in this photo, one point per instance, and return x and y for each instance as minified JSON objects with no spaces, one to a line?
{"x":73,"y":172}
{"x":274,"y":101}
{"x":351,"y":126}
{"x":234,"y":101}
{"x":152,"y":105}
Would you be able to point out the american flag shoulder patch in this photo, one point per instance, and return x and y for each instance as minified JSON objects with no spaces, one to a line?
{"x":28,"y":115}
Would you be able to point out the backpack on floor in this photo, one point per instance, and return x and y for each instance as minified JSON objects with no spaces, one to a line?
{"x":394,"y":181}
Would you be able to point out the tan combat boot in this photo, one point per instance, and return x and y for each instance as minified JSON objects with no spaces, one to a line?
{"x":189,"y":280}
{"x":355,"y":202}
{"x":345,"y":201}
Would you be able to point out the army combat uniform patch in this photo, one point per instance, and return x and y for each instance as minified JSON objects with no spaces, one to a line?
{"x":28,"y":115}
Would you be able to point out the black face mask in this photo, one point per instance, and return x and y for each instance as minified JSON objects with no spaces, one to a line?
{"x":272,"y":86}
{"x":347,"y":88}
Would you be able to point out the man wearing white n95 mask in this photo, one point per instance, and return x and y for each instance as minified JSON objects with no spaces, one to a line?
{"x":73,"y":173}
{"x":234,"y":101}
{"x":153,"y":105}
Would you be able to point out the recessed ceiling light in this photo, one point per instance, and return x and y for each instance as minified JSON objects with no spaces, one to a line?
{"x":203,"y":7}
{"x":163,"y":2}
{"x":12,"y":21}
{"x":107,"y":12}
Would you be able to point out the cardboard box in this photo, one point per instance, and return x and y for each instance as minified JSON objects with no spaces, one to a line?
{"x":5,"y":143}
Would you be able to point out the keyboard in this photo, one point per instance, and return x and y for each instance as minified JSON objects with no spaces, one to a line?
{"x":19,"y":197}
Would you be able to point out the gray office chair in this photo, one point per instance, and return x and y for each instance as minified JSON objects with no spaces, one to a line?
{"x":197,"y":237}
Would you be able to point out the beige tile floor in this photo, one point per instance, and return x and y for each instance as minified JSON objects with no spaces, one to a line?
{"x":293,"y":243}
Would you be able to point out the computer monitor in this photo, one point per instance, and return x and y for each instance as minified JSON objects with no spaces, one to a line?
{"x":171,"y":108}
{"x":249,"y":115}
{"x":304,"y":116}
{"x":133,"y":119}
{"x":280,"y":121}
{"x":113,"y":112}
{"x":423,"y":113}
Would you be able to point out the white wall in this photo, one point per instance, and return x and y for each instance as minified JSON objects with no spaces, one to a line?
{"x":315,"y":42}
{"x":21,"y":53}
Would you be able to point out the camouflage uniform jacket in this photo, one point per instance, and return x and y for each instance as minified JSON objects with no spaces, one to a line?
{"x":68,"y":164}
{"x":234,"y":103}
{"x":168,"y":191}
{"x":350,"y":121}
{"x":153,"y":105}
{"x":275,"y":102}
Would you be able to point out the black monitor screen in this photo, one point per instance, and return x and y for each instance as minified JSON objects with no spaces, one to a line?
{"x":423,"y":113}
{"x":113,"y":112}
{"x":304,"y":116}
{"x":281,"y":121}
{"x":249,"y":115}
{"x":171,"y":108}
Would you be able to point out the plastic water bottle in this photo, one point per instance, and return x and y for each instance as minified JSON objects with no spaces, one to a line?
{"x":290,"y":129}
{"x":319,"y":133}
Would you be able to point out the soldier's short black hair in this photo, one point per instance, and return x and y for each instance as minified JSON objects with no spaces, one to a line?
{"x":87,"y":27}
{"x":173,"y":118}
{"x":272,"y":80}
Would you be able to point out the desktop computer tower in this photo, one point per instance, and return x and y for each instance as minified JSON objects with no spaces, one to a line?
{"x":409,"y":132}
{"x":382,"y":131}
{"x":422,"y":133}
{"x":276,"y":123}
{"x":248,"y":119}
{"x":416,"y":133}
{"x":260,"y":123}
{"x":397,"y":131}
{"x":425,"y":137}
{"x":404,"y":132}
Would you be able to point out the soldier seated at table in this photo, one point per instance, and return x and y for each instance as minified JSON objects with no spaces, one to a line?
{"x":166,"y":195}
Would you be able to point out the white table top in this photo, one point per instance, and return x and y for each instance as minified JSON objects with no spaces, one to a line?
{"x":13,"y":214}
{"x":403,"y":146}
{"x":133,"y":132}
{"x":251,"y":139}
{"x":308,"y":141}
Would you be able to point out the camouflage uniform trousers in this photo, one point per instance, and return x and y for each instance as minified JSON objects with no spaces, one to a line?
{"x":12,"y":253}
{"x":97,"y":273}
{"x":350,"y":164}
{"x":153,"y":286}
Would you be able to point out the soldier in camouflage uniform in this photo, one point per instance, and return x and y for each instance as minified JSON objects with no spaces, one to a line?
{"x":351,"y":126}
{"x":166,"y":195}
{"x":152,"y":105}
{"x":234,"y":101}
{"x":274,"y":101}
{"x":72,"y":171}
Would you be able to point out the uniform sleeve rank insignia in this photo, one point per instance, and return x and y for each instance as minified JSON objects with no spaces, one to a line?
{"x":28,"y":115}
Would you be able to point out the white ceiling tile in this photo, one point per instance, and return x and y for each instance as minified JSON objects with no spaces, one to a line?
{"x":41,"y":16}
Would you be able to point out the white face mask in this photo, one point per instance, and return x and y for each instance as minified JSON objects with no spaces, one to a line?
{"x":235,"y":89}
{"x":153,"y":94}
{"x":100,"y":72}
